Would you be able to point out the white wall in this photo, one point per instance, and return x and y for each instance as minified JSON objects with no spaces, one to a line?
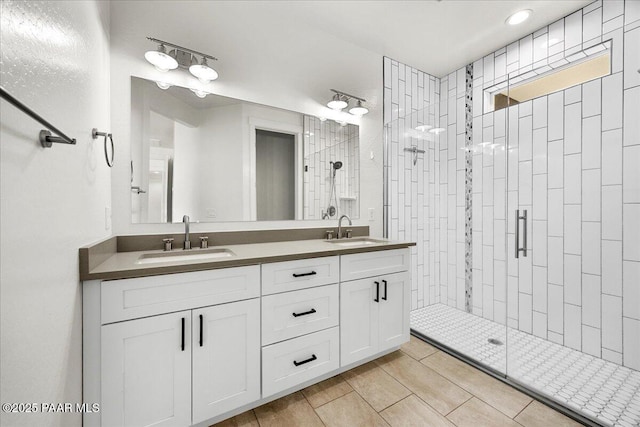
{"x":55,"y":58}
{"x":267,"y":65}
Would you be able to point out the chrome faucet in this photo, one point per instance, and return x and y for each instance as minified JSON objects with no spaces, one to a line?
{"x":340,"y":225}
{"x":187,"y":242}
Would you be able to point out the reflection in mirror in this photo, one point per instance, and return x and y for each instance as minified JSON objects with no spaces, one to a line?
{"x":331,"y":176}
{"x":223,"y":159}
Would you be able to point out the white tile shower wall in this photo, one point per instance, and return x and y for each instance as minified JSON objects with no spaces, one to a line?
{"x":572,"y":164}
{"x":415,"y":181}
{"x":324,"y":142}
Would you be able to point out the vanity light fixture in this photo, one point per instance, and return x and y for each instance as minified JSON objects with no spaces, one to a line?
{"x":337,"y":102}
{"x":160,"y":59}
{"x":359,"y":109}
{"x":182,"y":57}
{"x":203,"y":72}
{"x":340,"y":101}
{"x":200,"y":93}
{"x":519,"y":17}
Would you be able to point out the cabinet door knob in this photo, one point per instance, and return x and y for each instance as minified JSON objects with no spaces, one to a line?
{"x":385,"y":290}
{"x":377,"y":298}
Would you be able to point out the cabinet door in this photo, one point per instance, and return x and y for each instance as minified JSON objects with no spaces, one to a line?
{"x":146,"y":372}
{"x":358,"y":320}
{"x":395,"y":294}
{"x":226,"y":363}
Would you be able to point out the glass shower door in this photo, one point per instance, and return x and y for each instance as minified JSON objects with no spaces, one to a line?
{"x":563,"y":322}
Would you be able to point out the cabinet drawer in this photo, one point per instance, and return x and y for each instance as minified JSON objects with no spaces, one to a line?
{"x":132,"y":298}
{"x":299,"y":274}
{"x":292,"y":362}
{"x":369,"y":264}
{"x":296,"y":313}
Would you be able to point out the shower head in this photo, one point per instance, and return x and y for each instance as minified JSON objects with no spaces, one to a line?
{"x":337,"y":165}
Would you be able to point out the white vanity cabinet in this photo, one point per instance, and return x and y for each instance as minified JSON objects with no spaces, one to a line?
{"x":300,"y":318}
{"x":178,"y":368}
{"x":226,"y":358}
{"x":146,"y":372}
{"x":374,"y":310}
{"x":194,"y":348}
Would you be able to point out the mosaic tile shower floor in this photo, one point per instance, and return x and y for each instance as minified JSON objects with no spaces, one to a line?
{"x":603,"y":390}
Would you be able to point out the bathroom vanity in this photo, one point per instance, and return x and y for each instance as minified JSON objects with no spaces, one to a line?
{"x":196,"y":340}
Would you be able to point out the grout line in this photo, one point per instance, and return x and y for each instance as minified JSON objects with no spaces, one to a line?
{"x":453,"y":410}
{"x":522,"y":410}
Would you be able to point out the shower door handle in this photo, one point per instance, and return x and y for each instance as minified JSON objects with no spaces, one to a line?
{"x":522,"y":217}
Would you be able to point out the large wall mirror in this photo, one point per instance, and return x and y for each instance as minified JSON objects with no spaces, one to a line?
{"x":223,"y":159}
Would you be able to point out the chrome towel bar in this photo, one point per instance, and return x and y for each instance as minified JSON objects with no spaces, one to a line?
{"x":45,"y":137}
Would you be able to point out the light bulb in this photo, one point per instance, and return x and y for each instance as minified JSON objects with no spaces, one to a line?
{"x":161,"y":60}
{"x":203,"y":72}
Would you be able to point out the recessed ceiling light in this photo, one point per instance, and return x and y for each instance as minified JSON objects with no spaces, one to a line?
{"x":519,"y":17}
{"x":163,"y":85}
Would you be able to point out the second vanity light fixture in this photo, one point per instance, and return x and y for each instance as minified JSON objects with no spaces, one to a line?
{"x":340,"y":101}
{"x":196,"y":62}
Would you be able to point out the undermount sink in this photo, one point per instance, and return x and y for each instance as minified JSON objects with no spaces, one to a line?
{"x":185,"y":255}
{"x":357,"y":241}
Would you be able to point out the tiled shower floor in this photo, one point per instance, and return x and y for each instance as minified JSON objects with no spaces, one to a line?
{"x":603,"y":390}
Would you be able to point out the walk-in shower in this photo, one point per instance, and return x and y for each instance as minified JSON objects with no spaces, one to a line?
{"x":518,"y":215}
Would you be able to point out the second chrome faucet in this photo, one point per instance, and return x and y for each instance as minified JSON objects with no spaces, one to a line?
{"x":187,"y":242}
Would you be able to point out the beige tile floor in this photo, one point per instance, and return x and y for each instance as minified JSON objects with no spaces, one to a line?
{"x":415,"y":386}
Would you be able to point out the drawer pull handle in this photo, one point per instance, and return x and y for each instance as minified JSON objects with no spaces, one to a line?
{"x":313,"y":310}
{"x":311,"y":359}
{"x":201,"y":330}
{"x":385,"y":290}
{"x":377,"y":298}
{"x":182,"y":339}
{"x":313,"y":273}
